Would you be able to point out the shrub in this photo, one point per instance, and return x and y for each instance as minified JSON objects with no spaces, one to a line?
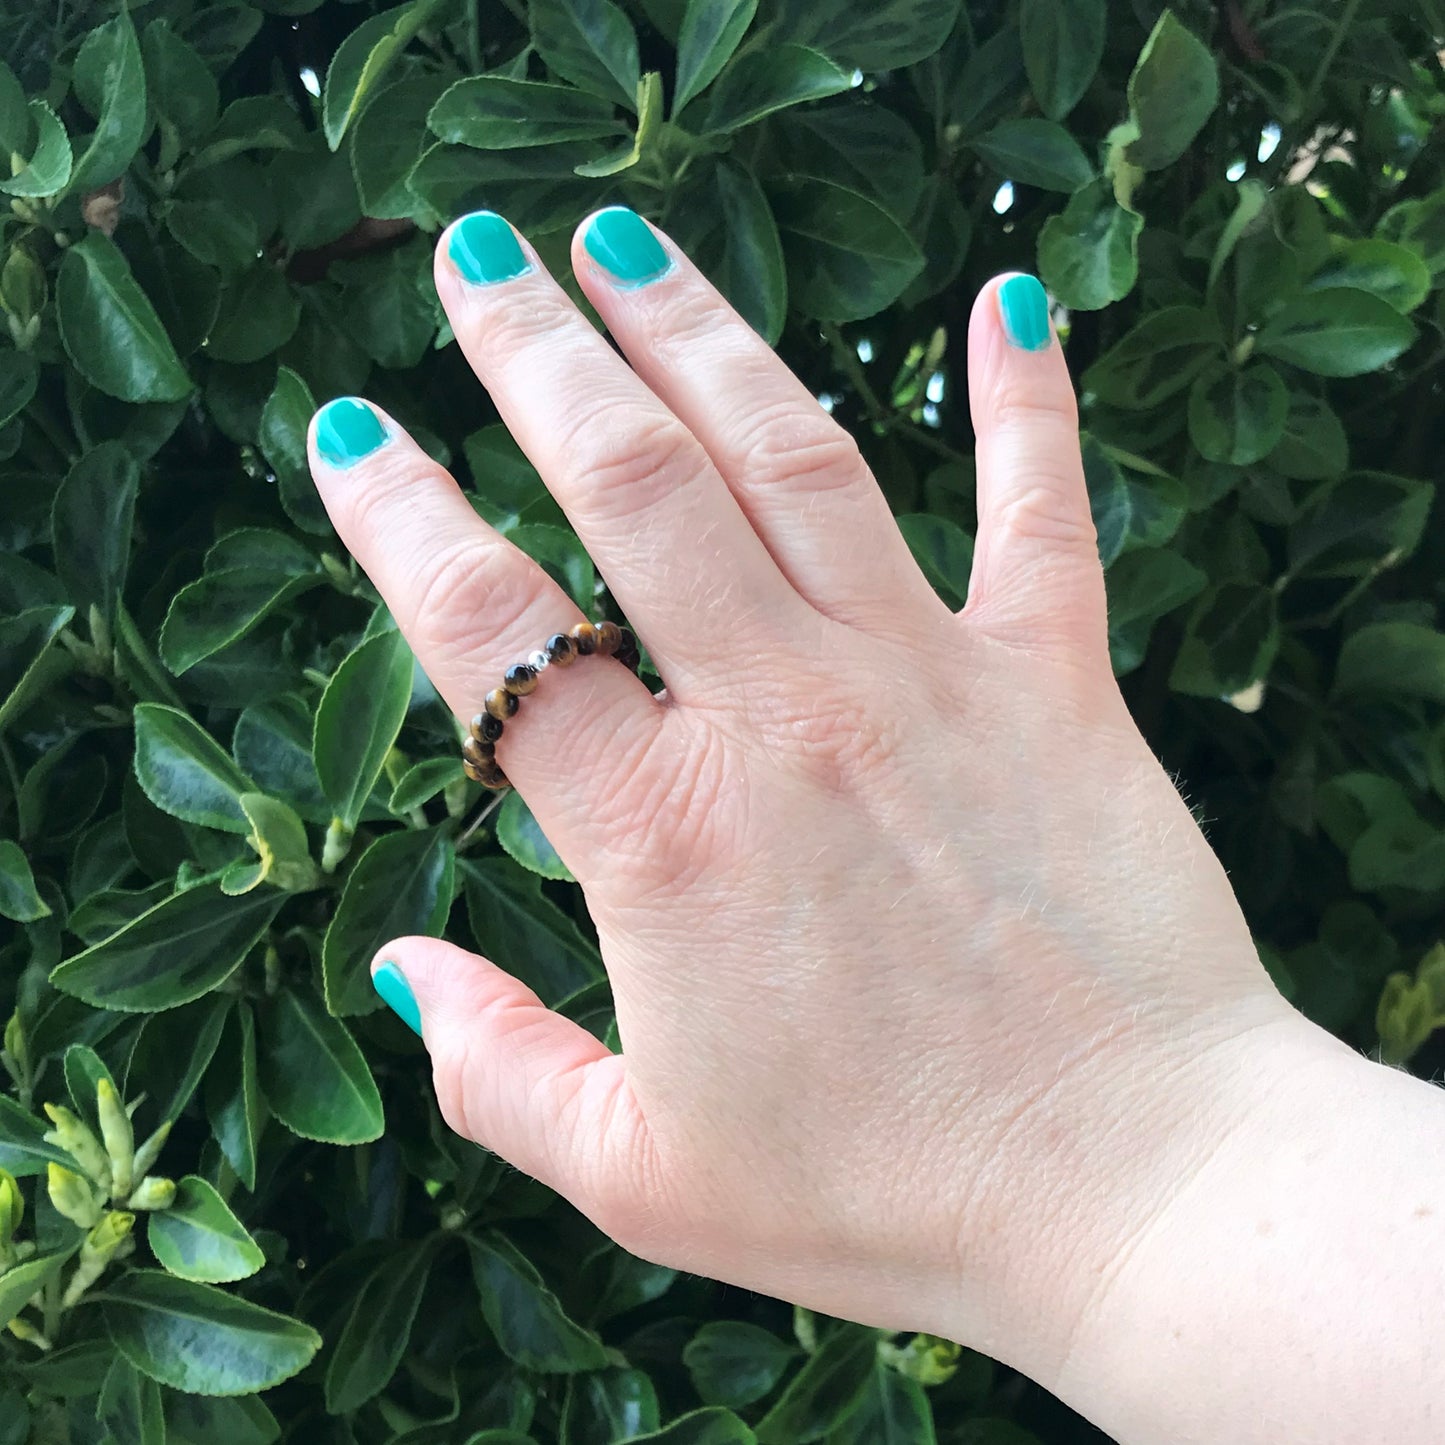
{"x":237,"y":1210}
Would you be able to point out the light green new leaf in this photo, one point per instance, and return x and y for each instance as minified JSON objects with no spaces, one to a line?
{"x":202,"y":1340}
{"x":1063,"y":43}
{"x":1159,"y":357}
{"x":313,"y":1075}
{"x":1336,"y":332}
{"x":1237,"y":415}
{"x":173,"y":953}
{"x":358,"y":719}
{"x":522,"y":837}
{"x":711,"y":31}
{"x":1036,"y":153}
{"x":199,"y":1238}
{"x":109,"y":80}
{"x":185,"y":772}
{"x":1172,"y":92}
{"x":25,"y":642}
{"x":492,"y":112}
{"x":1400,"y":659}
{"x":362,"y":59}
{"x":590,"y":43}
{"x":422,"y":782}
{"x":48,"y":170}
{"x":283,"y":854}
{"x":282,"y":439}
{"x":768,"y":79}
{"x":378,"y":1326}
{"x":402,"y":884}
{"x":18,"y":899}
{"x":24,"y":1149}
{"x":21,"y":1281}
{"x":526,"y":1318}
{"x":734,"y":1363}
{"x":90,"y":526}
{"x":820,"y":1395}
{"x":110,"y":329}
{"x":1089,"y":252}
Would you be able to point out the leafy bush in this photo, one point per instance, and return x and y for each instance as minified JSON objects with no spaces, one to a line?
{"x":225,"y":782}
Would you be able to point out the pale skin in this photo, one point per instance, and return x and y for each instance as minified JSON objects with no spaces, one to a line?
{"x":938,"y":1010}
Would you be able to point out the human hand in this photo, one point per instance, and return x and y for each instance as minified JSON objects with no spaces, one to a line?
{"x":930,"y":989}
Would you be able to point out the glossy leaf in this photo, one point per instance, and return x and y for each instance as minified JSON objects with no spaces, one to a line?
{"x":1374,"y":522}
{"x":520,"y":834}
{"x":1088,"y":253}
{"x":734,"y":1363}
{"x":1158,"y":358}
{"x":91,"y":526}
{"x":823,"y":1393}
{"x":234,"y":1107}
{"x":221,"y":607}
{"x":18,"y":899}
{"x":493,"y":112}
{"x":22,"y":1280}
{"x":1172,"y":92}
{"x":1230,"y":641}
{"x":282,"y":439}
{"x":1237,"y":416}
{"x":26,"y":641}
{"x":1403,"y":659}
{"x":1062,"y":47}
{"x":1392,"y":272}
{"x":374,"y":1337}
{"x":759,"y":82}
{"x":109,"y":79}
{"x":422,"y":782}
{"x":886,"y":35}
{"x":1336,"y":333}
{"x":50,"y":164}
{"x":185,"y":773}
{"x":130,"y":1407}
{"x":745,"y":260}
{"x":362,"y":59}
{"x":711,"y":1426}
{"x":1036,"y":153}
{"x":23,"y":1146}
{"x":19,"y":373}
{"x":894,"y":1410}
{"x":590,"y":43}
{"x":199,"y":1238}
{"x":711,"y":31}
{"x":944,"y":551}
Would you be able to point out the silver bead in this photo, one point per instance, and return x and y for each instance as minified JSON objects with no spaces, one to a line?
{"x":539,"y":661}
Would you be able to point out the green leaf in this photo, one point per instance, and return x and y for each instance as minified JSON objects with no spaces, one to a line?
{"x":362,"y":59}
{"x":821,"y":1395}
{"x":1036,"y":153}
{"x":201,"y":1340}
{"x":18,"y":899}
{"x":492,"y":112}
{"x":894,"y":1410}
{"x":110,"y":329}
{"x":1314,"y":447}
{"x":525,"y":1317}
{"x":272,"y":745}
{"x":387,"y":141}
{"x":129,"y":1406}
{"x":25,"y":641}
{"x":1237,"y":415}
{"x":23,"y":1147}
{"x":173,"y":1052}
{"x":283,"y":853}
{"x":943,"y":550}
{"x":562,"y":557}
{"x":91,"y":526}
{"x":402,"y":884}
{"x":847,"y":257}
{"x":313,"y":1075}
{"x":885,"y":35}
{"x":18,"y":1283}
{"x":282,"y":438}
{"x":711,"y":31}
{"x":733,"y":1363}
{"x":48,"y":169}
{"x":234,"y":1107}
{"x":221,"y":607}
{"x":199,"y":1238}
{"x":19,"y":374}
{"x":180,"y":85}
{"x":109,"y":80}
{"x":1336,"y":333}
{"x":1062,"y":44}
{"x":259,"y":310}
{"x":196,"y":1420}
{"x":358,"y":719}
{"x":1128,"y":511}
{"x":1393,"y":273}
{"x":422,"y":782}
{"x":711,"y":1426}
{"x":172,"y":953}
{"x":1372,"y":522}
{"x":252,"y":122}
{"x":1172,"y":92}
{"x":378,"y":1326}
{"x":609,"y":1405}
{"x":1144,"y":586}
{"x":1399,"y":659}
{"x":1230,"y":641}
{"x":84,"y":1070}
{"x":184,"y":772}
{"x":590,"y":43}
{"x":1161,"y":356}
{"x":1418,"y":225}
{"x":523,"y":931}
{"x":1089,"y":252}
{"x":759,"y":82}
{"x":521,"y":836}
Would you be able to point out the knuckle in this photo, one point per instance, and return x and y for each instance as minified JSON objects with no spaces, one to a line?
{"x":391,"y":475}
{"x":503,"y":334}
{"x":624,"y":457}
{"x":1020,"y":406}
{"x":1050,"y":508}
{"x":811,"y":451}
{"x":465,"y":598}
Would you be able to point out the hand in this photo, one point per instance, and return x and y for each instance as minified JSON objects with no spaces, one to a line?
{"x":931,"y":991}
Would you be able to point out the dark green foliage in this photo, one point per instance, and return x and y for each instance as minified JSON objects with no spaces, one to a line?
{"x":225,"y":783}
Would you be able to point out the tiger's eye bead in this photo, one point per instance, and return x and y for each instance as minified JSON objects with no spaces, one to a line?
{"x":500,"y":703}
{"x":492,"y":777}
{"x":472,"y":771}
{"x":628,"y":652}
{"x":561,"y":649}
{"x":584,"y":639}
{"x":609,"y":638}
{"x":520,"y":679}
{"x":476,"y":753}
{"x":486,"y":728}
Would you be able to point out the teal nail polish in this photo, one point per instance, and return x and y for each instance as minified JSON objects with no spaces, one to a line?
{"x":1025,"y":311}
{"x":390,"y":982}
{"x":622,"y":243}
{"x":484,"y":249}
{"x":347,"y":430}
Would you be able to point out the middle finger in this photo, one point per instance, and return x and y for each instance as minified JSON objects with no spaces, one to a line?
{"x":678,"y":552}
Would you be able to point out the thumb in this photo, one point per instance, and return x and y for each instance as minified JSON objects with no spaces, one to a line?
{"x":520,"y":1080}
{"x":1036,"y":574}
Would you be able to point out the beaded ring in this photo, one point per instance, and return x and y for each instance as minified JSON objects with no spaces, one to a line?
{"x":562,"y":649}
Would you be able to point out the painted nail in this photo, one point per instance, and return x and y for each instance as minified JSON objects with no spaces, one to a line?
{"x":390,"y":982}
{"x":347,"y":430}
{"x":621,"y":242}
{"x":1025,"y":311}
{"x":484,"y":249}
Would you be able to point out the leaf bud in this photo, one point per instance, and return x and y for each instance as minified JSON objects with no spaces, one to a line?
{"x":150,"y":1151}
{"x":115,"y":1129}
{"x":153,"y":1192}
{"x":12,"y":1207}
{"x":15,"y":1050}
{"x":72,"y":1196}
{"x":100,"y":1247}
{"x":22,"y":1329}
{"x":78,"y":1140}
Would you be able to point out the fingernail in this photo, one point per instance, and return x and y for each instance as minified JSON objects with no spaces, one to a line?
{"x":621,"y":242}
{"x":347,"y":430}
{"x":390,"y":982}
{"x":485,"y":250}
{"x":1025,"y":310}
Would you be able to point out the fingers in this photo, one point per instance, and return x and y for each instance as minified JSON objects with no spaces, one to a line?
{"x":1036,"y":575}
{"x":795,"y":472}
{"x":519,"y":1079}
{"x":648,"y":504}
{"x":471,"y":604}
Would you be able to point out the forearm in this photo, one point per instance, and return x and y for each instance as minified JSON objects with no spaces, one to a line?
{"x":1295,"y":1288}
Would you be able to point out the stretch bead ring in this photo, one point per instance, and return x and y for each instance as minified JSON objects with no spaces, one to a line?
{"x":562,"y":649}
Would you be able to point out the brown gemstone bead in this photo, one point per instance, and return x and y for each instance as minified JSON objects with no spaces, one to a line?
{"x":501,"y":703}
{"x":477,"y":754}
{"x":561,"y":649}
{"x":609,"y":638}
{"x":630,"y":660}
{"x":584,"y":639}
{"x":486,"y":728}
{"x":492,"y":777}
{"x":472,"y":771}
{"x":520,"y":679}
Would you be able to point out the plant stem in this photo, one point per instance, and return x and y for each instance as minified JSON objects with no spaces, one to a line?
{"x":852,"y":368}
{"x":1322,"y":70}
